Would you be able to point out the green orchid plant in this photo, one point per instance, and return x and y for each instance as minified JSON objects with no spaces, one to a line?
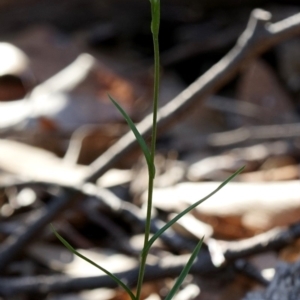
{"x":149,"y":155}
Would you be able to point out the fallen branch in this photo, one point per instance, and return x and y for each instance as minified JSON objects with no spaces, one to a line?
{"x":17,"y":242}
{"x":259,"y":36}
{"x":271,"y":240}
{"x":254,"y":133}
{"x":169,"y":266}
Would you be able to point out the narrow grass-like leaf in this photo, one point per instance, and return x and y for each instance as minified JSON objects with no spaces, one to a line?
{"x":184,"y":272}
{"x":175,"y":219}
{"x":113,"y":277}
{"x":138,"y":137}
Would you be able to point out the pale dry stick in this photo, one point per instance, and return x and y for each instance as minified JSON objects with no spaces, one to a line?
{"x":75,"y":144}
{"x":264,"y":132}
{"x":259,"y":36}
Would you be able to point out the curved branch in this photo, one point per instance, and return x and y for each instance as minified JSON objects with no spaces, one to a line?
{"x":258,"y":37}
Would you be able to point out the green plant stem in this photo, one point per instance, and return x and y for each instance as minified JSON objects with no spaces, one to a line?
{"x":150,"y":157}
{"x":155,"y":95}
{"x":155,"y":30}
{"x":144,"y":254}
{"x":184,"y":212}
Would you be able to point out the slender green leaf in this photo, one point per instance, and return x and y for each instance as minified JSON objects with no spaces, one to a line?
{"x":113,"y":277}
{"x":138,"y":137}
{"x":184,"y":272}
{"x":175,"y":219}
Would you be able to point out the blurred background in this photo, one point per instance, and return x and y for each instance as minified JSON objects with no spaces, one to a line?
{"x":58,"y":62}
{"x":194,"y":36}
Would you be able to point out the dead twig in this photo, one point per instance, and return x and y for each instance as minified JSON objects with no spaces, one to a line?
{"x":273,"y":239}
{"x":251,"y":133}
{"x":259,"y":36}
{"x":17,"y":242}
{"x":169,"y":266}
